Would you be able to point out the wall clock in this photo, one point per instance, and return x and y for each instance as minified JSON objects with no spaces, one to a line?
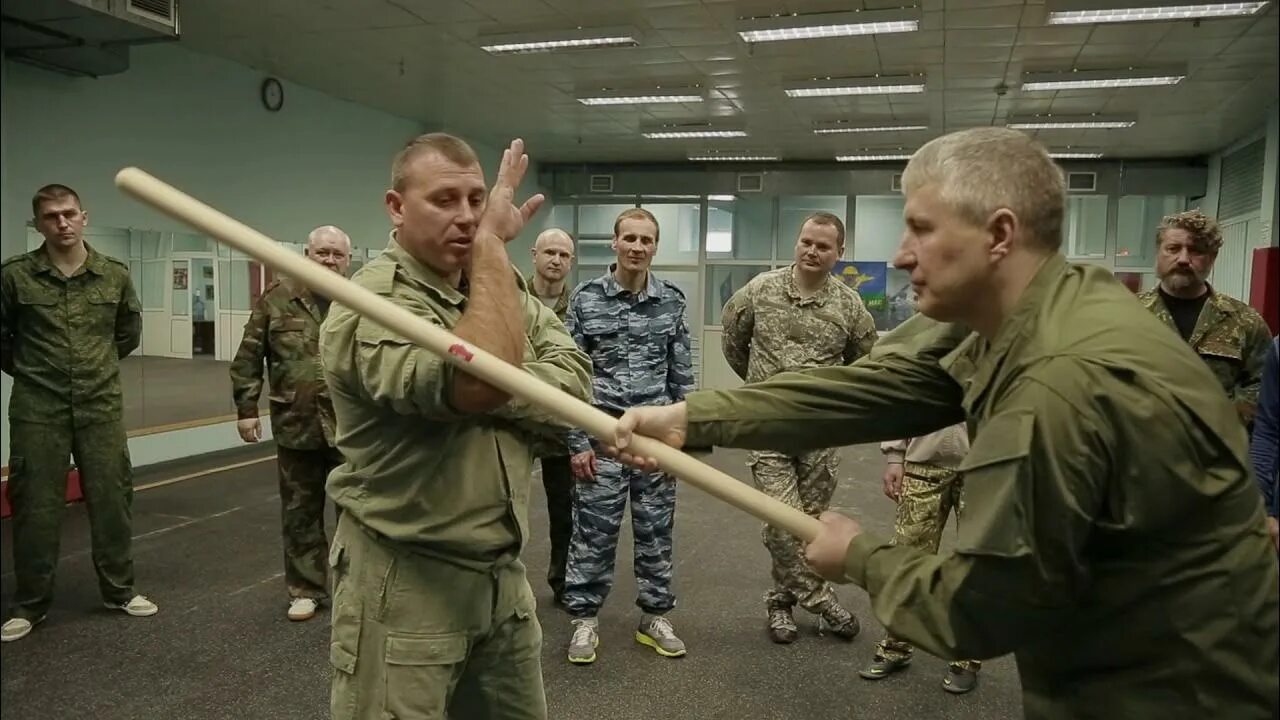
{"x":272,"y":94}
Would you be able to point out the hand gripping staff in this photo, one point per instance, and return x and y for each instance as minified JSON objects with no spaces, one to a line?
{"x":462,"y":355}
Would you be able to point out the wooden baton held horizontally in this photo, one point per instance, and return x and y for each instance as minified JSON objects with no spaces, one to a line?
{"x":465,"y":356}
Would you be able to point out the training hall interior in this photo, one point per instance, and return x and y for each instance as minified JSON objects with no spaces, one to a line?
{"x":730,"y":121}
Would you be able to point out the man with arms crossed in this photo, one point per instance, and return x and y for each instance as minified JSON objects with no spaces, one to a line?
{"x":432,"y":613}
{"x":632,"y":325}
{"x":284,"y":333}
{"x":1113,"y":539}
{"x":67,"y":315}
{"x":552,"y":261}
{"x":791,"y":318}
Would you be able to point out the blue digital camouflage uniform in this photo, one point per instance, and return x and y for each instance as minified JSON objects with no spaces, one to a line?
{"x":639,"y":349}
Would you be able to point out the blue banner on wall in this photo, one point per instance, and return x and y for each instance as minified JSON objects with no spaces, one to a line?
{"x":870,"y":279}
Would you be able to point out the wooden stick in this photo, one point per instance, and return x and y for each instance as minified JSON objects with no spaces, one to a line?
{"x":465,"y":356}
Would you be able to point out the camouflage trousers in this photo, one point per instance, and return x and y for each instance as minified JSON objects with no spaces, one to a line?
{"x":557,"y":480}
{"x":302,"y":476}
{"x":806,"y":482}
{"x":929,"y":495}
{"x":38,"y":465}
{"x":597,"y":519}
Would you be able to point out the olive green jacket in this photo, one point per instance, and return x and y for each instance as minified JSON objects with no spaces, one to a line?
{"x":61,"y":338}
{"x":283,"y":331}
{"x":419,"y":474}
{"x":1112,"y":538}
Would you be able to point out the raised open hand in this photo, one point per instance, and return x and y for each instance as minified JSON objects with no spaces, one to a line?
{"x":502,"y":218}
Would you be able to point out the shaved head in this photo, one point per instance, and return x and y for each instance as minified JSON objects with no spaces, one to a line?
{"x":552,"y":234}
{"x":552,"y":256}
{"x":331,"y":247}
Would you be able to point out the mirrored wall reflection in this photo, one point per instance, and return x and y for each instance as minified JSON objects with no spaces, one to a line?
{"x":196,"y":296}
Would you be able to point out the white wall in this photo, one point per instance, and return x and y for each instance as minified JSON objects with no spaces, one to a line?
{"x":197,"y":122}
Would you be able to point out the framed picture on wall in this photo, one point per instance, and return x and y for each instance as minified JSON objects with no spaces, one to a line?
{"x":207,"y":272}
{"x":179,"y":278}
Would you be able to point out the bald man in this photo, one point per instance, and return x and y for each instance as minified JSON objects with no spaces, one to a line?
{"x":552,"y":260}
{"x":283,"y":332}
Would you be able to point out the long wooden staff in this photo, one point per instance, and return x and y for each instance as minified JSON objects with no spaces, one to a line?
{"x":465,"y":356}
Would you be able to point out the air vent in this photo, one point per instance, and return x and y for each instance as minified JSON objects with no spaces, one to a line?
{"x":1082,"y":182}
{"x":161,"y":11}
{"x":602,"y":183}
{"x":896,"y":183}
{"x":750,"y":182}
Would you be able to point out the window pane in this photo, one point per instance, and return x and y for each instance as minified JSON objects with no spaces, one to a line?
{"x":877,"y":228}
{"x":598,"y":219}
{"x":722,"y":282}
{"x":793,"y":209}
{"x":1136,"y":224}
{"x":1085,"y":226}
{"x":680,"y":233}
{"x":745,"y":224}
{"x":153,"y":285}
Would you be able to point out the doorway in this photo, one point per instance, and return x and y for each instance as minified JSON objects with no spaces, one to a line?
{"x":204,"y":308}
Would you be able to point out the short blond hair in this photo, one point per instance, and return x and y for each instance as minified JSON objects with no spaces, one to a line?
{"x":636,"y":213}
{"x":451,"y":148}
{"x":1204,"y":231}
{"x":982,"y":170}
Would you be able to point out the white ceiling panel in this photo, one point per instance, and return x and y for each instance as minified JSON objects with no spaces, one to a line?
{"x":421,"y":59}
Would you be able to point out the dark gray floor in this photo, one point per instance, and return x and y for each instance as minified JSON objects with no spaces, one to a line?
{"x":207,"y":551}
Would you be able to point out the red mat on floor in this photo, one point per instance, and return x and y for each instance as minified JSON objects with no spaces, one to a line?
{"x":74,"y":494}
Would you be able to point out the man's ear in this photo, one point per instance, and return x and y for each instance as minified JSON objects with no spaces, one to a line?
{"x":395,"y":206}
{"x":1002,"y":227}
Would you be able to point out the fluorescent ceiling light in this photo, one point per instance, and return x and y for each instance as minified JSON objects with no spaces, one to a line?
{"x":576,"y":39}
{"x":1085,"y":12}
{"x":1066,"y":122}
{"x":1075,"y":154}
{"x":811,"y":26}
{"x":677,"y":131}
{"x":642,"y":96}
{"x":722,"y":198}
{"x":882,"y":85}
{"x":873,"y":156}
{"x":733,"y":157}
{"x":1088,"y":79}
{"x":845,"y":126}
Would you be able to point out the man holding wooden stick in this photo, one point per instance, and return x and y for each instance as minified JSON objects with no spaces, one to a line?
{"x":1113,"y":540}
{"x":432,"y":613}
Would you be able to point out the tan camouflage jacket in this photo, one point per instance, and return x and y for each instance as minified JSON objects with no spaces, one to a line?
{"x":1232,"y":338}
{"x":284,"y":332}
{"x":63,"y":337}
{"x":769,"y":329}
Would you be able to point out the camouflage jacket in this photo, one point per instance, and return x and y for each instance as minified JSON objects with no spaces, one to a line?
{"x":63,"y":337}
{"x":769,"y":328}
{"x":284,"y":332}
{"x":638,"y":344}
{"x":1232,"y":338}
{"x":562,"y":303}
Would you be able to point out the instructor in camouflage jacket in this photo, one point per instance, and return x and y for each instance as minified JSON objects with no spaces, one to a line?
{"x":787,"y":319}
{"x":67,"y":315}
{"x":284,"y":331}
{"x":1229,"y":335}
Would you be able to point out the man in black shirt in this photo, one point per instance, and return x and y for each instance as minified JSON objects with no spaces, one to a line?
{"x":1230,"y":336}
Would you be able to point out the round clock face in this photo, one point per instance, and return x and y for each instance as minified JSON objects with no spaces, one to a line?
{"x":272,"y":94}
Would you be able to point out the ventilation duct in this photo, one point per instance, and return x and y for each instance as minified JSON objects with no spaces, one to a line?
{"x":84,"y":37}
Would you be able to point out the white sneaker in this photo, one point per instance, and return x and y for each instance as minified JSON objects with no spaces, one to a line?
{"x":139,"y":606}
{"x":302,"y":609}
{"x":16,"y":629}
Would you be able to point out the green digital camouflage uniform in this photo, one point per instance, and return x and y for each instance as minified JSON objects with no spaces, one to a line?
{"x":1113,"y":539}
{"x":1232,"y":339}
{"x":284,"y":332}
{"x":557,"y":481}
{"x":62,"y":343}
{"x":432,"y":612}
{"x":769,"y":328}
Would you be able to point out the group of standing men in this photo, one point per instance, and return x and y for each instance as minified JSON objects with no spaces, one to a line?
{"x":1106,"y":489}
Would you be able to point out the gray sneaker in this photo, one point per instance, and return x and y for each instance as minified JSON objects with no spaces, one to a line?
{"x":582,"y":646}
{"x":18,"y":628}
{"x":656,"y":632}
